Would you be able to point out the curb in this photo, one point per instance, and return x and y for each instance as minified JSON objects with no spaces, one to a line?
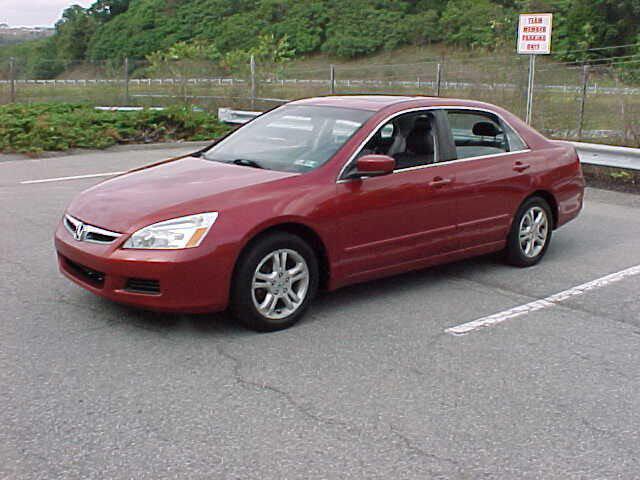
{"x":8,"y":157}
{"x":612,"y":178}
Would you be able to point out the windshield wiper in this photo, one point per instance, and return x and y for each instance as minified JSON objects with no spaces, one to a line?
{"x":245,"y":162}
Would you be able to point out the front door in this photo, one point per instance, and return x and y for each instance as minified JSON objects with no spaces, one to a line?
{"x":392,"y":222}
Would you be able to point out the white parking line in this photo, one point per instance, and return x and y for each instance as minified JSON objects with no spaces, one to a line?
{"x":75,"y":177}
{"x":547,"y":302}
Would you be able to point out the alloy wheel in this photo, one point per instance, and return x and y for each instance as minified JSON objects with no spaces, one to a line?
{"x":533,"y":231}
{"x":280,"y":284}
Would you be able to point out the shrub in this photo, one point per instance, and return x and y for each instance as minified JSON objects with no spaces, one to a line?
{"x":476,"y":23}
{"x":49,"y":127}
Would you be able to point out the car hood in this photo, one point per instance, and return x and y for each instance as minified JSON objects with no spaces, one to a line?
{"x":169,"y":190}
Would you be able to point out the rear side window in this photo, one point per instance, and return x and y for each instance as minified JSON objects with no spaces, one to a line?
{"x":516,"y":143}
{"x":476,"y":133}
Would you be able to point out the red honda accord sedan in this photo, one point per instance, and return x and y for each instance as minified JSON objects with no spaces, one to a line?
{"x":320,"y":193}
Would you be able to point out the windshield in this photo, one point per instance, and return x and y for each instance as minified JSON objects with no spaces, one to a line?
{"x":293,"y":138}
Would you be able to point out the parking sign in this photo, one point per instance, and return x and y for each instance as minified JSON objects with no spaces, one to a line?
{"x":534,"y":33}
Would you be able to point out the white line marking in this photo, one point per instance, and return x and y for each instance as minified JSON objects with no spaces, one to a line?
{"x":547,"y":302}
{"x":75,"y":177}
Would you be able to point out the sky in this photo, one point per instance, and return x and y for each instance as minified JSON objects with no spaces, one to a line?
{"x":32,"y":13}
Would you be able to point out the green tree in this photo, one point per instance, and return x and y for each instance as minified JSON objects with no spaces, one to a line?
{"x":586,"y":24}
{"x":361,"y":27}
{"x":423,"y":28}
{"x":105,"y":10}
{"x":476,"y":23}
{"x":112,"y":29}
{"x":184,"y":59}
{"x":73,"y":33}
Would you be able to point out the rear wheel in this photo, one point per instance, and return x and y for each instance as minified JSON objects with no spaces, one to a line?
{"x":274,"y":283}
{"x":530,"y":233}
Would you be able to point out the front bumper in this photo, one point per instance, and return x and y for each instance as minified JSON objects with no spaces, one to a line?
{"x":189,"y":281}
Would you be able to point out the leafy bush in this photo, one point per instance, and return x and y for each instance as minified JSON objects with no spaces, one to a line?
{"x":476,"y":23}
{"x":49,"y":127}
{"x":363,"y":28}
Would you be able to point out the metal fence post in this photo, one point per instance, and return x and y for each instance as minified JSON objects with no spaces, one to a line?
{"x":252,"y":65}
{"x":583,"y":98}
{"x":438,"y":79}
{"x":530,"y":85}
{"x":332,"y":73}
{"x":126,"y":81}
{"x":12,"y":79}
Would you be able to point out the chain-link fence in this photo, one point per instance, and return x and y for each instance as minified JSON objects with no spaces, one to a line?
{"x":570,"y":101}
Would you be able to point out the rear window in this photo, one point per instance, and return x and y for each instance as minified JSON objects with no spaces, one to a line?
{"x":477,"y":133}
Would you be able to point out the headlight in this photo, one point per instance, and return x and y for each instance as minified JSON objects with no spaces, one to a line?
{"x":177,"y":233}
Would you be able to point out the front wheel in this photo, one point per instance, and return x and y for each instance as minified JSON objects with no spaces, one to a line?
{"x":274,"y":283}
{"x":530,"y":233}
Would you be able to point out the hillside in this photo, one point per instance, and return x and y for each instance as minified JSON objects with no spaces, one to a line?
{"x":11,"y":35}
{"x":110,"y":30}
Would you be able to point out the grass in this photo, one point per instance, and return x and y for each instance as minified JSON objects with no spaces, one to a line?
{"x":42,"y":127}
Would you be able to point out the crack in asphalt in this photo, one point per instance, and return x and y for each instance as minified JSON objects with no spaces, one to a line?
{"x":496,"y":288}
{"x":407,"y":443}
{"x":410,"y":446}
{"x":603,"y":364}
{"x":241,"y":380}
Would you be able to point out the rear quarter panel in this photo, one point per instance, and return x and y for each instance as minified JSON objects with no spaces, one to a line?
{"x":564,"y":180}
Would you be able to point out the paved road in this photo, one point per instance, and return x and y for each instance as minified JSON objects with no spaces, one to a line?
{"x":368,"y":386}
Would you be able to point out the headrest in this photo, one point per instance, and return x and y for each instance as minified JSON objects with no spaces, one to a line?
{"x":486,"y":129}
{"x":422,"y":124}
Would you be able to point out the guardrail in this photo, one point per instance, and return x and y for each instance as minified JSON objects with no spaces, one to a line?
{"x":236,"y":117}
{"x":608,"y":155}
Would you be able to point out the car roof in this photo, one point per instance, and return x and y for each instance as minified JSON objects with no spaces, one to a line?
{"x":362,"y":102}
{"x":379,"y":102}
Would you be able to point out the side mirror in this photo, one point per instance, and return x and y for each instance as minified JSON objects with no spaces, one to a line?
{"x":374,"y":165}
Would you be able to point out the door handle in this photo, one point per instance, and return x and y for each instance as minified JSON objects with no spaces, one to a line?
{"x":438,"y":182}
{"x":521,"y":167}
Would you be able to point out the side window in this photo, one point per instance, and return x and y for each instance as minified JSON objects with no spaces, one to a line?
{"x":476,"y":133}
{"x":409,"y":138}
{"x":516,"y":143}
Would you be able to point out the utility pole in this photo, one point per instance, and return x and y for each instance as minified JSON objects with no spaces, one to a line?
{"x":438,"y":79}
{"x":583,"y":98}
{"x":126,"y":81}
{"x":12,"y":79}
{"x":252,"y":65}
{"x":332,"y":76}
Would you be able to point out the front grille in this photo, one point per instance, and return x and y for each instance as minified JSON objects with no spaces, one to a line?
{"x":69,"y":224}
{"x":88,"y":233}
{"x":142,"y":285}
{"x":85,"y":273}
{"x":98,"y":237}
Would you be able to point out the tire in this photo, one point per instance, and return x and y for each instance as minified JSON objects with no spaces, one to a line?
{"x":280,"y":296}
{"x":525,"y":250}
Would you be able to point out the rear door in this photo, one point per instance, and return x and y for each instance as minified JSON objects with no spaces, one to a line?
{"x":493,"y":172}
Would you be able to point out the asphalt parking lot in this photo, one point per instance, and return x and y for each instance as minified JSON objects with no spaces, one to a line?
{"x":370,"y":385}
